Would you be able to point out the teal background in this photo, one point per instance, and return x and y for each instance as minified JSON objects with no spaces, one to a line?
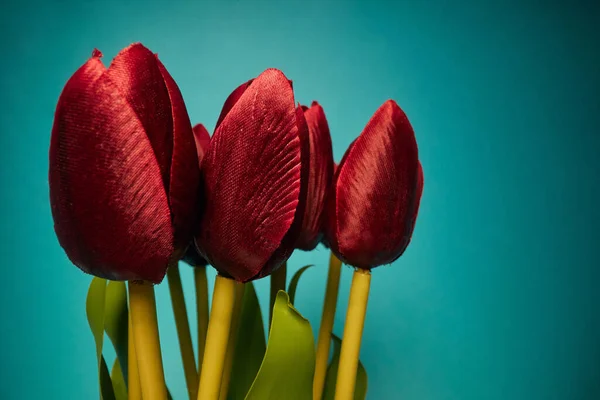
{"x":496,"y":298}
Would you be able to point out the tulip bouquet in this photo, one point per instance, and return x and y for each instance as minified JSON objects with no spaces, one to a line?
{"x":135,"y":189}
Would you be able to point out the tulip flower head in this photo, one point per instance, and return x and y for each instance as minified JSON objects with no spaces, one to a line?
{"x":374,"y":199}
{"x":124,"y":171}
{"x":254,"y":177}
{"x":319,"y":178}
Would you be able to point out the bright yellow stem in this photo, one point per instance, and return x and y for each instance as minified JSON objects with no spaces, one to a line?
{"x":183,"y":330}
{"x":235,"y":324}
{"x":134,"y":390}
{"x":147,"y":342}
{"x":278,"y":280}
{"x":201,"y":309}
{"x":355,"y":321}
{"x":324,"y":339}
{"x":216,"y":338}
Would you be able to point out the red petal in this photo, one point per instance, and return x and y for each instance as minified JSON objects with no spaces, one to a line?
{"x":109,"y":205}
{"x":202,"y":139}
{"x":185,"y":168}
{"x":136,"y":74}
{"x":286,"y":248}
{"x":371,"y":205}
{"x":252,"y":177}
{"x":231,"y":100}
{"x":414,"y":207}
{"x":320,"y":176}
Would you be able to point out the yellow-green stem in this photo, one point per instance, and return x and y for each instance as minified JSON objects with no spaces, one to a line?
{"x":144,"y":322}
{"x":217,"y":337}
{"x":355,"y":320}
{"x":278,"y":281}
{"x":201,"y":309}
{"x":326,"y":327}
{"x":183,"y":330}
{"x":134,"y":390}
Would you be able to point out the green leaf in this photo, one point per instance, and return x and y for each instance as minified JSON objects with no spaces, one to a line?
{"x":294,"y":282}
{"x":289,"y":364}
{"x":360,"y":391}
{"x":118,"y":381}
{"x":116,"y":321}
{"x":250,"y":347}
{"x":95,"y":306}
{"x":106,"y":388}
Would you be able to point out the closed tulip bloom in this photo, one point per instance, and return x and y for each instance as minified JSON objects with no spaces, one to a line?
{"x":202,"y":139}
{"x":319,"y":178}
{"x":255,"y":180}
{"x":124,"y":172}
{"x":373,"y":203}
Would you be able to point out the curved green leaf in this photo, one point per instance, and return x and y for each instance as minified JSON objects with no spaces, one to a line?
{"x":294,"y":283}
{"x":288,"y":366}
{"x":118,"y":381}
{"x":116,"y":323}
{"x":360,"y":391}
{"x":95,"y":306}
{"x":250,"y":347}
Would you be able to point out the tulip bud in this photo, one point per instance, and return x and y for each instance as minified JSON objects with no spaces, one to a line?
{"x":319,"y":178}
{"x":124,"y":170}
{"x":374,"y":199}
{"x":255,"y":180}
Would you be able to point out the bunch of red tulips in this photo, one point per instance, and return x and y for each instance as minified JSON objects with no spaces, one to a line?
{"x":134,"y":189}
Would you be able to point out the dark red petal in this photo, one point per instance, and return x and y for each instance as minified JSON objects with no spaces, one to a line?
{"x":320,"y":176}
{"x":252,"y":179}
{"x":108,"y":200}
{"x":375,"y":186}
{"x":231,"y":100}
{"x":135,"y":73}
{"x":287,"y":245}
{"x":415,"y":208}
{"x":202,"y":139}
{"x":185,"y":168}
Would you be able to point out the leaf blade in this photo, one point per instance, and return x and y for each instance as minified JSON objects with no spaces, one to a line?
{"x":116,"y":322}
{"x":294,"y":282}
{"x":288,"y":366}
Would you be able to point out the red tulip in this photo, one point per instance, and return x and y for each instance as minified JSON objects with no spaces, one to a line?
{"x":255,"y":180}
{"x":202,"y":138}
{"x":373,"y":202}
{"x":124,"y":171}
{"x":319,"y":178}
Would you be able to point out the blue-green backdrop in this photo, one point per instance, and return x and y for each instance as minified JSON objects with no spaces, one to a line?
{"x":496,"y":297}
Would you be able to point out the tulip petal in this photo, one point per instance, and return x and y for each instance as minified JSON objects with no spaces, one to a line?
{"x":231,"y":100}
{"x":371,"y":207}
{"x":286,"y":248}
{"x":108,"y":199}
{"x":414,"y":207}
{"x":185,"y":167}
{"x":320,"y":176}
{"x":252,"y":179}
{"x":135,"y":72}
{"x":202,"y":139}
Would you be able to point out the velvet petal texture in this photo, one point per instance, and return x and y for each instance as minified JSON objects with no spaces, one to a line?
{"x":202,"y":138}
{"x":123,"y":173}
{"x":319,"y":178}
{"x":372,"y":206}
{"x":255,"y":179}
